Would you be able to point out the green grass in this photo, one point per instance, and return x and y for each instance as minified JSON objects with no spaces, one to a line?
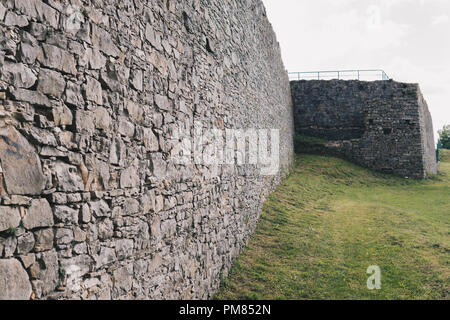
{"x":444,"y":155}
{"x":309,"y":139}
{"x":330,"y":220}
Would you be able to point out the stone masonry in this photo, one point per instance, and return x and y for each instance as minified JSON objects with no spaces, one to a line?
{"x":90,"y":94}
{"x":382,"y":125}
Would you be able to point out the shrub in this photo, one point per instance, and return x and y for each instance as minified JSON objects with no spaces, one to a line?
{"x":444,"y":136}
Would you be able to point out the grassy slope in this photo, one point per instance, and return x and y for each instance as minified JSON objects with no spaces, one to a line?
{"x":444,"y":155}
{"x":330,"y":220}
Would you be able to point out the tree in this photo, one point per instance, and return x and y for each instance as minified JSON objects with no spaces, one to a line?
{"x":444,"y":136}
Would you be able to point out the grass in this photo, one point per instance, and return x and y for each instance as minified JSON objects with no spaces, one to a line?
{"x":330,"y":220}
{"x":311,"y":145}
{"x":444,"y":155}
{"x":308,"y":139}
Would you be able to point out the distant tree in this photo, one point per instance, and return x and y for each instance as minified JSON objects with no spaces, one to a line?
{"x":444,"y":136}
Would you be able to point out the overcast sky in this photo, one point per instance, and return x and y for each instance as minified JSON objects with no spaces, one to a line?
{"x":409,"y":39}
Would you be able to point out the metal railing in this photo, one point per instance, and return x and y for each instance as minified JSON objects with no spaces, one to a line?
{"x":368,"y":75}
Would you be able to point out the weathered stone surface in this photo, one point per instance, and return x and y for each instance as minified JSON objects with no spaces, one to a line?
{"x":136,"y":79}
{"x":123,"y":279}
{"x":63,"y":236}
{"x":51,"y":82}
{"x":93,"y":91}
{"x":25,"y":243}
{"x":102,"y":39}
{"x":134,"y":110}
{"x":162,"y":102}
{"x":28,"y":259}
{"x":126,"y":128}
{"x":74,"y":269}
{"x":43,"y":240}
{"x":150,"y":140}
{"x":159,"y":165}
{"x":96,"y":59}
{"x":153,"y":37}
{"x":21,"y":165}
{"x":39,"y":215}
{"x":18,"y":75}
{"x":38,"y":10}
{"x":9,"y":218}
{"x":62,"y":116}
{"x":73,"y":94}
{"x":66,"y":215}
{"x":86,"y":213}
{"x":2,"y":11}
{"x":43,"y":137}
{"x":79,"y":235}
{"x":8,"y":246}
{"x":124,"y":248}
{"x":102,"y":119}
{"x":13,"y":19}
{"x":14,"y":282}
{"x":45,"y":270}
{"x":32,"y":97}
{"x":106,"y":256}
{"x":105,"y":229}
{"x":57,"y":58}
{"x":100,"y":209}
{"x":129,"y":178}
{"x":68,"y":177}
{"x":85,"y":121}
{"x":29,"y":48}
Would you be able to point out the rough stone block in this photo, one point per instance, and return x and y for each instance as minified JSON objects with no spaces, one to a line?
{"x":57,"y":58}
{"x":9,"y":218}
{"x":73,"y":94}
{"x":69,"y":177}
{"x":32,"y":97}
{"x":51,"y":82}
{"x":102,"y":40}
{"x":62,"y":116}
{"x":21,"y":165}
{"x":18,"y":75}
{"x":13,"y":19}
{"x":93,"y":91}
{"x":43,"y":240}
{"x":45,"y":269}
{"x":25,"y":243}
{"x":14,"y":281}
{"x":2,"y":12}
{"x":66,"y":215}
{"x":39,"y":215}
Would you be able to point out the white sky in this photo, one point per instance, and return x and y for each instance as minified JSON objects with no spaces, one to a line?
{"x":409,"y":39}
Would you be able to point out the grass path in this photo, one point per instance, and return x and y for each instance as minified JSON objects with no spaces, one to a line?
{"x":330,"y":220}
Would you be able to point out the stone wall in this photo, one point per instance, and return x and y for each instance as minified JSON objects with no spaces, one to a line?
{"x":90,"y":95}
{"x":382,"y":125}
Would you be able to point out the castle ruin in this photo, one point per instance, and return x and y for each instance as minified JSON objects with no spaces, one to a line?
{"x":91,"y":92}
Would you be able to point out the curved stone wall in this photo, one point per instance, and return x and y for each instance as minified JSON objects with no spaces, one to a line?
{"x":91,"y":94}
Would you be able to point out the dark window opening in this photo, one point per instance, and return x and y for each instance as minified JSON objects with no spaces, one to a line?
{"x":387,"y":131}
{"x":370,"y":121}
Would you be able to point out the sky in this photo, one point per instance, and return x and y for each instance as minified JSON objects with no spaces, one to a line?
{"x":408,"y":39}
